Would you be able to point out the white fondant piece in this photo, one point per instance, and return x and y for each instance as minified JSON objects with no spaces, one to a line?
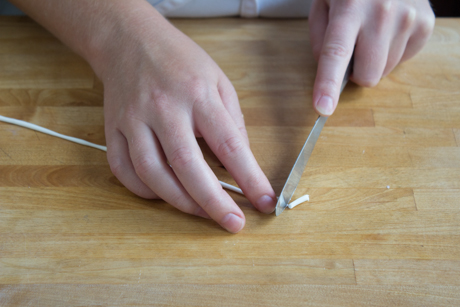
{"x":299,"y":201}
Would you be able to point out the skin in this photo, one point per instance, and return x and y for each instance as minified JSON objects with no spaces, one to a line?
{"x":383,"y":33}
{"x":161,"y":90}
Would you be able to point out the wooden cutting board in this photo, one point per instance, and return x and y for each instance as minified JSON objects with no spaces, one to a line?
{"x":382,"y":227}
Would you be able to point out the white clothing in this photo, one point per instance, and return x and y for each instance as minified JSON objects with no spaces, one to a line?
{"x":214,"y":8}
{"x":243,"y":8}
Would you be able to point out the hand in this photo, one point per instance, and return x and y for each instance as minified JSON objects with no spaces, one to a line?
{"x":161,"y":91}
{"x":382,"y":32}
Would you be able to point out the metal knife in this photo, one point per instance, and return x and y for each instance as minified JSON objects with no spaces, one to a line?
{"x":301,"y":162}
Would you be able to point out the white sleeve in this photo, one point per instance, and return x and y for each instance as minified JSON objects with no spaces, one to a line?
{"x":207,"y":8}
{"x":275,"y":8}
{"x":214,"y":8}
{"x":284,"y":8}
{"x":243,"y":8}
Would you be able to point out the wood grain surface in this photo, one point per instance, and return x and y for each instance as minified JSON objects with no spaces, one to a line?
{"x":382,"y":227}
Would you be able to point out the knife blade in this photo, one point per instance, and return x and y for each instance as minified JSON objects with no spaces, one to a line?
{"x":301,"y":162}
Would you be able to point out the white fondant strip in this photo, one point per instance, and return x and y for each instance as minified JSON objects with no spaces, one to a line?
{"x":24,"y":124}
{"x":231,"y":187}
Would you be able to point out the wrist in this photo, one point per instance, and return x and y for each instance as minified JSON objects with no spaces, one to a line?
{"x":126,"y":27}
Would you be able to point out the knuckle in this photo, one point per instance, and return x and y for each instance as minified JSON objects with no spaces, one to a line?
{"x":144,"y":165}
{"x":181,"y":158}
{"x":427,"y":24}
{"x":119,"y":169}
{"x":408,"y":18}
{"x":383,"y":14}
{"x":336,"y":50}
{"x":384,"y":8}
{"x":230,"y":146}
{"x":161,"y":103}
{"x":198,"y":89}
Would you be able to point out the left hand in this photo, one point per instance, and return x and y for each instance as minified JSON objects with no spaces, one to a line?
{"x":383,"y":33}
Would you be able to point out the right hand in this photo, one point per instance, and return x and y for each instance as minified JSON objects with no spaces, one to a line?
{"x":381,"y":33}
{"x":161,"y":91}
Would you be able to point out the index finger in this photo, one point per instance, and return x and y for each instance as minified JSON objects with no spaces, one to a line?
{"x":230,"y":146}
{"x":340,"y":38}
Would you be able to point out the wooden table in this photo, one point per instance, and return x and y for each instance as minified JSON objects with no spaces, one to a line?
{"x":382,"y":227}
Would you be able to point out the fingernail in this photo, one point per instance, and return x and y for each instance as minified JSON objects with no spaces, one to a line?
{"x":232,"y":223}
{"x":202,"y":213}
{"x":266,"y":204}
{"x":325,"y":105}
